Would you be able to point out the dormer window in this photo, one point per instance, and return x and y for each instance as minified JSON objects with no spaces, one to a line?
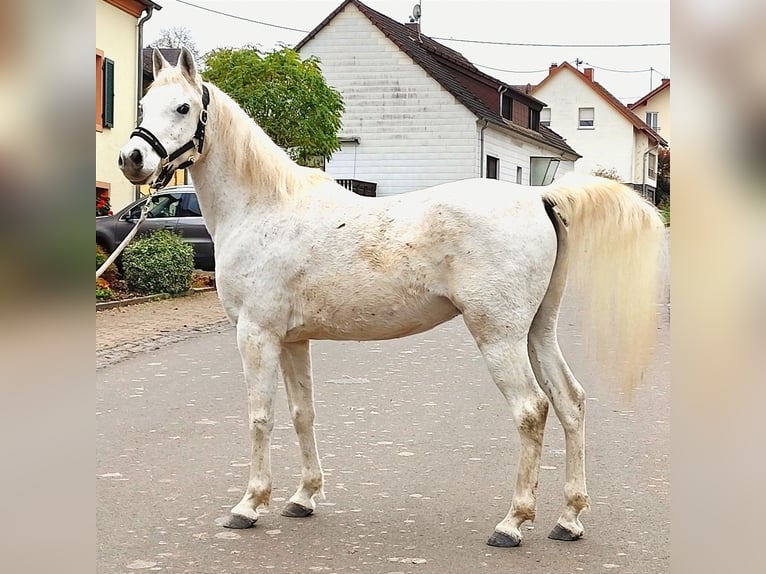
{"x":506,"y":106}
{"x":545,"y":117}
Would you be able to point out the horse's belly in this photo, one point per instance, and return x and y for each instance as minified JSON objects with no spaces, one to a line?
{"x":355,"y":321}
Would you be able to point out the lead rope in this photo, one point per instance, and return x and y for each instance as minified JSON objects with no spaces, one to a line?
{"x":116,"y":253}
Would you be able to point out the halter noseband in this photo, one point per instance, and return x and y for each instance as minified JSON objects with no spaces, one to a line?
{"x":197,"y":142}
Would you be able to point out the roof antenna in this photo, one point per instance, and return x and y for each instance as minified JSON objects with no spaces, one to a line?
{"x":416,"y":12}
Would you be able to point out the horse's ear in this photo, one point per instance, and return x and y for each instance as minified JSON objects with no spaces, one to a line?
{"x":188,"y":68}
{"x":158,"y":62}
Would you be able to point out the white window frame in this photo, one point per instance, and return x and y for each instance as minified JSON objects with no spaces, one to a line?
{"x":545,"y":117}
{"x":583,"y":122}
{"x":655,"y":125}
{"x":651,"y":166}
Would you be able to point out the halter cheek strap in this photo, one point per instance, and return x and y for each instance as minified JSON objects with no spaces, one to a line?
{"x":197,"y":142}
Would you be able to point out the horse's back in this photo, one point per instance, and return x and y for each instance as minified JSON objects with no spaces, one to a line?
{"x":388,"y":267}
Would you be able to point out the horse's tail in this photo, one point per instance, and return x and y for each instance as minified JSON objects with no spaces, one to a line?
{"x":614,"y":243}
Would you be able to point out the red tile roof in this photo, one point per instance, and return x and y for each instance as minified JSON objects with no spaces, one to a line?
{"x":637,"y":122}
{"x":665,"y":84}
{"x":477,"y":91}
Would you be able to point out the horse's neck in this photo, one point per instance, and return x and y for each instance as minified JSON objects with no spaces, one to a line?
{"x":228,"y":180}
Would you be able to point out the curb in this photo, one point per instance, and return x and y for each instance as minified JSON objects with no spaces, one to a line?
{"x":158,"y":297}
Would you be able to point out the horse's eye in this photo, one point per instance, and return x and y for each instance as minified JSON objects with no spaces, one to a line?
{"x":183,"y":109}
{"x":140,"y":113}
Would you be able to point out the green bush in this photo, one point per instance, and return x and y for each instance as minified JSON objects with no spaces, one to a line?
{"x":159,"y":263}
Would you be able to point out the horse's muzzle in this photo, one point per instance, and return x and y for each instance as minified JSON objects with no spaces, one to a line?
{"x":137,"y":164}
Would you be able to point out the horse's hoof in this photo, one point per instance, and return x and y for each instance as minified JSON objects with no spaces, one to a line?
{"x":563,"y":534}
{"x":295,"y":510}
{"x":503,"y":540}
{"x":238,"y":521}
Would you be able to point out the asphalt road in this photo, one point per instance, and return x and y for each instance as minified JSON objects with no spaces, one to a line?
{"x":419,"y":456}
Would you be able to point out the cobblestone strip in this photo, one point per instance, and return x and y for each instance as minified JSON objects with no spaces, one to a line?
{"x":113,"y":355}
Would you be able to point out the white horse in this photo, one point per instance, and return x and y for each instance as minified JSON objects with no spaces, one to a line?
{"x":299,"y":257}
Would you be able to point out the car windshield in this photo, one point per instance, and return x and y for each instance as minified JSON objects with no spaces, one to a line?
{"x":165,"y":205}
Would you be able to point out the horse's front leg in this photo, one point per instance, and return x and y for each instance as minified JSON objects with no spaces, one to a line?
{"x":260,"y":358}
{"x":296,"y":371}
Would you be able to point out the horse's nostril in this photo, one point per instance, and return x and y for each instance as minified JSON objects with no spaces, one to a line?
{"x":135,"y":157}
{"x":120,"y":161}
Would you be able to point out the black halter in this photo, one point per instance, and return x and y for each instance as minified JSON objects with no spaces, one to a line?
{"x":197,"y":142}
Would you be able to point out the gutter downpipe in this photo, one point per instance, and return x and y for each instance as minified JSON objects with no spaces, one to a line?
{"x":481,"y":147}
{"x":140,"y":77}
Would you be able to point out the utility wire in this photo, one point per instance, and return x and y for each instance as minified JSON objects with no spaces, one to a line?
{"x":534,"y":45}
{"x":242,"y":18}
{"x":512,"y":71}
{"x":625,"y":71}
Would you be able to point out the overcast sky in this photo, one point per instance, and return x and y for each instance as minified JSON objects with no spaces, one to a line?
{"x":515,"y":21}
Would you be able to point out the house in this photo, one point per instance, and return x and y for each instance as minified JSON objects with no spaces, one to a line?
{"x":609,"y":136}
{"x":119,"y":25}
{"x":654,"y":109}
{"x":418,"y":113}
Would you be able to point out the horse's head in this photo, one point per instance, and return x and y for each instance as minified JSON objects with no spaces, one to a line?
{"x":172,"y":130}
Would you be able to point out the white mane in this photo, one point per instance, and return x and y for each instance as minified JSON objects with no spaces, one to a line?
{"x":249,"y":151}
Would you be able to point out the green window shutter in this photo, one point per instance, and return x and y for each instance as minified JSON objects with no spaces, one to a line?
{"x":108,"y":93}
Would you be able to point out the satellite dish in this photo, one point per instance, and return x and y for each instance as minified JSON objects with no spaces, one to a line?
{"x":416,"y":12}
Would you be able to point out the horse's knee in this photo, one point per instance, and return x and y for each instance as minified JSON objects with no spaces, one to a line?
{"x":303,"y":419}
{"x":531,"y":419}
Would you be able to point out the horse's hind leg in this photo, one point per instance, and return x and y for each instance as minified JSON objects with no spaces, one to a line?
{"x":260,"y":359}
{"x":568,"y":399}
{"x":509,"y":366}
{"x":296,"y":371}
{"x":564,"y":391}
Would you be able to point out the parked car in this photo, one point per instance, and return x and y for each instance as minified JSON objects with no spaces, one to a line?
{"x":174,"y":208}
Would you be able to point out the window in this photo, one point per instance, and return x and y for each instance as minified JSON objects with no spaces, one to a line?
{"x":586,"y":118}
{"x":534,"y":119}
{"x":506,"y":106}
{"x":191,"y":208}
{"x":542,"y":170}
{"x":653,"y":120}
{"x":519,"y":173}
{"x":545,"y":117}
{"x":104,"y":92}
{"x":99,"y":90}
{"x":652,"y":166}
{"x":493,"y":167}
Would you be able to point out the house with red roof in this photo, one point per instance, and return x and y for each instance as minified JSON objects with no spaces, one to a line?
{"x":654,"y":109}
{"x":606,"y":132}
{"x":418,"y":113}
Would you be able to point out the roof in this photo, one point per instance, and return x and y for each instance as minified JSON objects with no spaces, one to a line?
{"x":473,"y":88}
{"x":665,"y":84}
{"x":607,"y":96}
{"x":170,"y":54}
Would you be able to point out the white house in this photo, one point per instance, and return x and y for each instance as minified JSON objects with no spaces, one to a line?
{"x":418,"y":113}
{"x":607,"y":134}
{"x":654,"y":109}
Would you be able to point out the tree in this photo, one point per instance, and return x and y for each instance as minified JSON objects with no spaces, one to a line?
{"x":286,"y":96}
{"x":662,"y":197}
{"x":177,"y":37}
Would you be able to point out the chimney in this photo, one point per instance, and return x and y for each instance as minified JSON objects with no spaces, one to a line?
{"x":554,"y":65}
{"x":588,"y":74}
